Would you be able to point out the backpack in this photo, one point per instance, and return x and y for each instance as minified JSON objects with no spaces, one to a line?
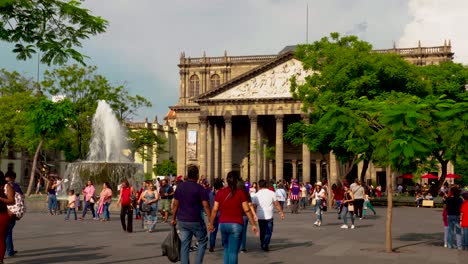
{"x":18,"y":209}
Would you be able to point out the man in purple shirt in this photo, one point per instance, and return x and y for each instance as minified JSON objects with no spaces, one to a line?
{"x":189,"y":200}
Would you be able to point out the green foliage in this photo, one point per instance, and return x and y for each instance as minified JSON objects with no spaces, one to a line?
{"x":84,"y":88}
{"x":145,"y":137}
{"x":53,"y":27}
{"x":166,"y":167}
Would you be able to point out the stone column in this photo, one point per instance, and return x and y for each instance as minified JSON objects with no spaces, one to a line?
{"x":294,"y":167}
{"x":279,"y":147}
{"x":305,"y":157}
{"x":253,"y":148}
{"x":270,"y":169}
{"x":181,"y":144}
{"x":217,"y":149}
{"x":222,"y":138}
{"x":202,"y":141}
{"x":333,"y":169}
{"x":318,"y":165}
{"x":228,"y":143}
{"x":265,"y":162}
{"x":209,"y":154}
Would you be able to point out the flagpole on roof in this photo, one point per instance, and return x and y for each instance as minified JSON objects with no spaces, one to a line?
{"x":307,"y":24}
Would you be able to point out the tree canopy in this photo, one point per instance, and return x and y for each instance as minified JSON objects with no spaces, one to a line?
{"x":56,"y":28}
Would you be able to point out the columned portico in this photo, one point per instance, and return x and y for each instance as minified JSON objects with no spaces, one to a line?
{"x":228,"y":143}
{"x":181,"y":143}
{"x":209,"y":153}
{"x":253,"y":148}
{"x":279,"y":155}
{"x":217,"y":150}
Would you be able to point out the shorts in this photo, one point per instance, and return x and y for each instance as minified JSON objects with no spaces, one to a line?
{"x":165,"y":205}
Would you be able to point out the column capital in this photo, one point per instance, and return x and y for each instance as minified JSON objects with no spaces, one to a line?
{"x":228,"y":117}
{"x":279,"y":117}
{"x":253,"y":117}
{"x":181,"y":125}
{"x":203,"y":119}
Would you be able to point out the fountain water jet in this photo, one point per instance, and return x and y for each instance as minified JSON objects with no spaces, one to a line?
{"x":105,"y":161}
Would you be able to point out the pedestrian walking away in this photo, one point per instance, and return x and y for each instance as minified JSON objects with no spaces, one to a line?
{"x":190,"y":198}
{"x":265,"y":203}
{"x":232,"y":204}
{"x":126,"y":206}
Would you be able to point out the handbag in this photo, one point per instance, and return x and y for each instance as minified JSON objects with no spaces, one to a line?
{"x":351,"y":207}
{"x":314,"y":202}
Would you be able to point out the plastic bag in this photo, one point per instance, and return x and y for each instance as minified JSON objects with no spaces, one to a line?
{"x":171,"y":246}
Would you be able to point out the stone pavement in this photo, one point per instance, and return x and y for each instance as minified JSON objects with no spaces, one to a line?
{"x":417,"y":234}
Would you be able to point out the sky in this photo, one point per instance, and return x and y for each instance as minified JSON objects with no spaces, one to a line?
{"x":143,"y":42}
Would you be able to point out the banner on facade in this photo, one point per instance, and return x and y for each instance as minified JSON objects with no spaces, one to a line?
{"x":192,"y":145}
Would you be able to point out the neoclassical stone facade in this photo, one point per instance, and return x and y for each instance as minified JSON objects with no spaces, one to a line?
{"x":233,"y":110}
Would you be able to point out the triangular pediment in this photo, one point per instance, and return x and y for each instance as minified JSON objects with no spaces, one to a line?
{"x":267,"y":82}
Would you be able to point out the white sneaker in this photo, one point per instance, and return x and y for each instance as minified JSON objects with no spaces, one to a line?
{"x":352,"y":227}
{"x":344,"y":226}
{"x":319,"y":223}
{"x":316,"y":222}
{"x":445,"y":245}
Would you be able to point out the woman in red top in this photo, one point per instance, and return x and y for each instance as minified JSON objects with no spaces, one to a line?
{"x":231,"y":202}
{"x":125,"y":200}
{"x":6,"y":198}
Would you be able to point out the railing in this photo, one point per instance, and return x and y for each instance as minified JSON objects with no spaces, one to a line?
{"x":419,"y":50}
{"x":225,"y":59}
{"x":137,"y":125}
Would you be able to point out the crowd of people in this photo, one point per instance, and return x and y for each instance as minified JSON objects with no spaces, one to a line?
{"x":230,"y":205}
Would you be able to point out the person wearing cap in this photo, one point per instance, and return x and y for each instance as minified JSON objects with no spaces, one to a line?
{"x":319,"y":195}
{"x":294,"y":196}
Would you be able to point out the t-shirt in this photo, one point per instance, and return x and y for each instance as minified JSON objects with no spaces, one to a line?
{"x":358,"y":192}
{"x":71,"y":201}
{"x":338,"y":194}
{"x":464,"y":211}
{"x":281,"y":195}
{"x":303,"y":192}
{"x":190,"y":196}
{"x":265,"y":202}
{"x":230,"y":206}
{"x":319,"y":194}
{"x":165,"y":189}
{"x":453,"y":205}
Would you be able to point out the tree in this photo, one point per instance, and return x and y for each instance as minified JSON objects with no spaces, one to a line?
{"x":166,"y":167}
{"x":144,"y":138}
{"x":53,"y":27}
{"x":346,"y":98}
{"x":84,"y":88}
{"x":46,"y":119}
{"x":15,"y":97}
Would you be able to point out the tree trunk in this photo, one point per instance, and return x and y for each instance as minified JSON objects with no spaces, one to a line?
{"x":365,"y":166}
{"x":443,"y":168}
{"x":388,"y":226}
{"x":34,"y":164}
{"x":329,"y":184}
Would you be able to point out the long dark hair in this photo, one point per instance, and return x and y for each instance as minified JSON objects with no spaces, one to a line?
{"x":232,"y":179}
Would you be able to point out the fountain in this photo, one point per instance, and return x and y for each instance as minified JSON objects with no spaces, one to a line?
{"x":106,"y":161}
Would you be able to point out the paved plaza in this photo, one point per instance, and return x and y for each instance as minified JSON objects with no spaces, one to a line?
{"x":417,"y":233}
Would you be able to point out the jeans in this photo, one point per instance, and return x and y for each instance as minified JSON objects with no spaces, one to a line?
{"x":244,"y":232}
{"x":10,"y":249}
{"x":187,"y":231}
{"x":454,"y":225}
{"x":69,"y":210}
{"x":52,"y":203}
{"x":368,"y":205}
{"x":215,"y":232}
{"x":105,"y":211}
{"x":126,"y":210}
{"x":231,"y":235}
{"x":318,"y":211}
{"x":345,"y":213}
{"x":85,"y":209}
{"x":266,"y":231}
{"x":465,"y":238}
{"x":302,"y":203}
{"x":281,"y":205}
{"x":358,"y":204}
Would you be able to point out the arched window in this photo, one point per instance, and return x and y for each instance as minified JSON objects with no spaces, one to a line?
{"x":215,"y":81}
{"x":194,"y":88}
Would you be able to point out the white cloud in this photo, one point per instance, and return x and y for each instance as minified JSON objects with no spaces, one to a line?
{"x":434,"y":21}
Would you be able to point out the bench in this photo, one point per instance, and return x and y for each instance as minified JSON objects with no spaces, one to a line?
{"x":427,"y":203}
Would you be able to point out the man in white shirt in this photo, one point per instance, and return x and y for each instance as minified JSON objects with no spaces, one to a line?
{"x":265,"y":202}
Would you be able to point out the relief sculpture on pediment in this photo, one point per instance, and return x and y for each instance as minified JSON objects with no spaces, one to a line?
{"x":274,"y":83}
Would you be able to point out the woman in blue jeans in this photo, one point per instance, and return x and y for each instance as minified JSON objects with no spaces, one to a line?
{"x":231,"y":203}
{"x":52,"y":197}
{"x":319,"y":195}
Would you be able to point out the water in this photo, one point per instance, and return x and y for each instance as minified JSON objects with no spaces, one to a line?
{"x":106,"y":161}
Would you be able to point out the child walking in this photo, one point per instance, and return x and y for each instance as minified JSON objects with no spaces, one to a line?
{"x":71,"y":205}
{"x":367,"y":205}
